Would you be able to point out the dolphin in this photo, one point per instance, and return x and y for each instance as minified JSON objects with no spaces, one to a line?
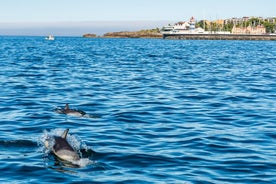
{"x":68,"y":111}
{"x":62,"y":149}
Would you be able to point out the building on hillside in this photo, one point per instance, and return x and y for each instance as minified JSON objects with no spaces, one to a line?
{"x":255,"y":30}
{"x":270,"y":20}
{"x":235,"y":20}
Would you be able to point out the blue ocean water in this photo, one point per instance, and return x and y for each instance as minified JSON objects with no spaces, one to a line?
{"x":162,"y":111}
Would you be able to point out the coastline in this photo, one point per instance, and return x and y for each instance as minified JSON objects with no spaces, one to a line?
{"x":132,"y":35}
{"x":245,"y":28}
{"x":150,"y":33}
{"x":185,"y":36}
{"x":219,"y":37}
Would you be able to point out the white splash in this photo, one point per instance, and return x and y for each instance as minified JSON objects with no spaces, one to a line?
{"x":83,"y":162}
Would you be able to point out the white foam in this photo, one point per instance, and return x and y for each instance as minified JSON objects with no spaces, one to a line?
{"x":83,"y":162}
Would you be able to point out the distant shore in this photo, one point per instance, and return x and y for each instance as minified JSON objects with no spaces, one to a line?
{"x":151,"y":33}
{"x":245,"y":28}
{"x":157,"y":35}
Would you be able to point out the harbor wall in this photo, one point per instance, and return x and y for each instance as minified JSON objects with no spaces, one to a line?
{"x":218,"y":37}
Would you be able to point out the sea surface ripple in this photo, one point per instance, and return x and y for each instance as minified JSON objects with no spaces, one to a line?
{"x":162,"y":111}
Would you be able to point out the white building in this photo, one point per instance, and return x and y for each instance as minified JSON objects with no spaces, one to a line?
{"x":183,"y":28}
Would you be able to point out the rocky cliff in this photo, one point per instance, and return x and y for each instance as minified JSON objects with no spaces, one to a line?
{"x":89,"y":36}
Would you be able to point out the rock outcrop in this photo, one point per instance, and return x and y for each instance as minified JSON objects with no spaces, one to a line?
{"x":152,"y":33}
{"x":89,"y":35}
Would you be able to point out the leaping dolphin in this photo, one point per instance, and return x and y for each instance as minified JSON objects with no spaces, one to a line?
{"x":68,"y":111}
{"x":62,"y":149}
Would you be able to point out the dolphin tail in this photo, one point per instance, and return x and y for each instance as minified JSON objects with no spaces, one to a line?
{"x":65,"y":133}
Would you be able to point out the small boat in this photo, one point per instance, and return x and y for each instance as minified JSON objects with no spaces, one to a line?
{"x":50,"y":37}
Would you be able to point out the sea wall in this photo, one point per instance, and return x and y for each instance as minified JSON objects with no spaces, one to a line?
{"x":218,"y":37}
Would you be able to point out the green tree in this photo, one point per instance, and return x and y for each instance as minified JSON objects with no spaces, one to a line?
{"x":269,"y":27}
{"x":228,"y":27}
{"x":202,"y":24}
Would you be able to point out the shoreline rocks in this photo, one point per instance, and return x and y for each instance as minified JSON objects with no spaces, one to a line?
{"x":151,"y":33}
{"x":135,"y":34}
{"x":88,"y":35}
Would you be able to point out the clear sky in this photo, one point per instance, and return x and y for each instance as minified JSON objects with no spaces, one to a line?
{"x":33,"y":13}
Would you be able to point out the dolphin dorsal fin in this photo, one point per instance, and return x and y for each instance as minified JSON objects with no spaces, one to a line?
{"x":66,"y":107}
{"x":65,"y":133}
